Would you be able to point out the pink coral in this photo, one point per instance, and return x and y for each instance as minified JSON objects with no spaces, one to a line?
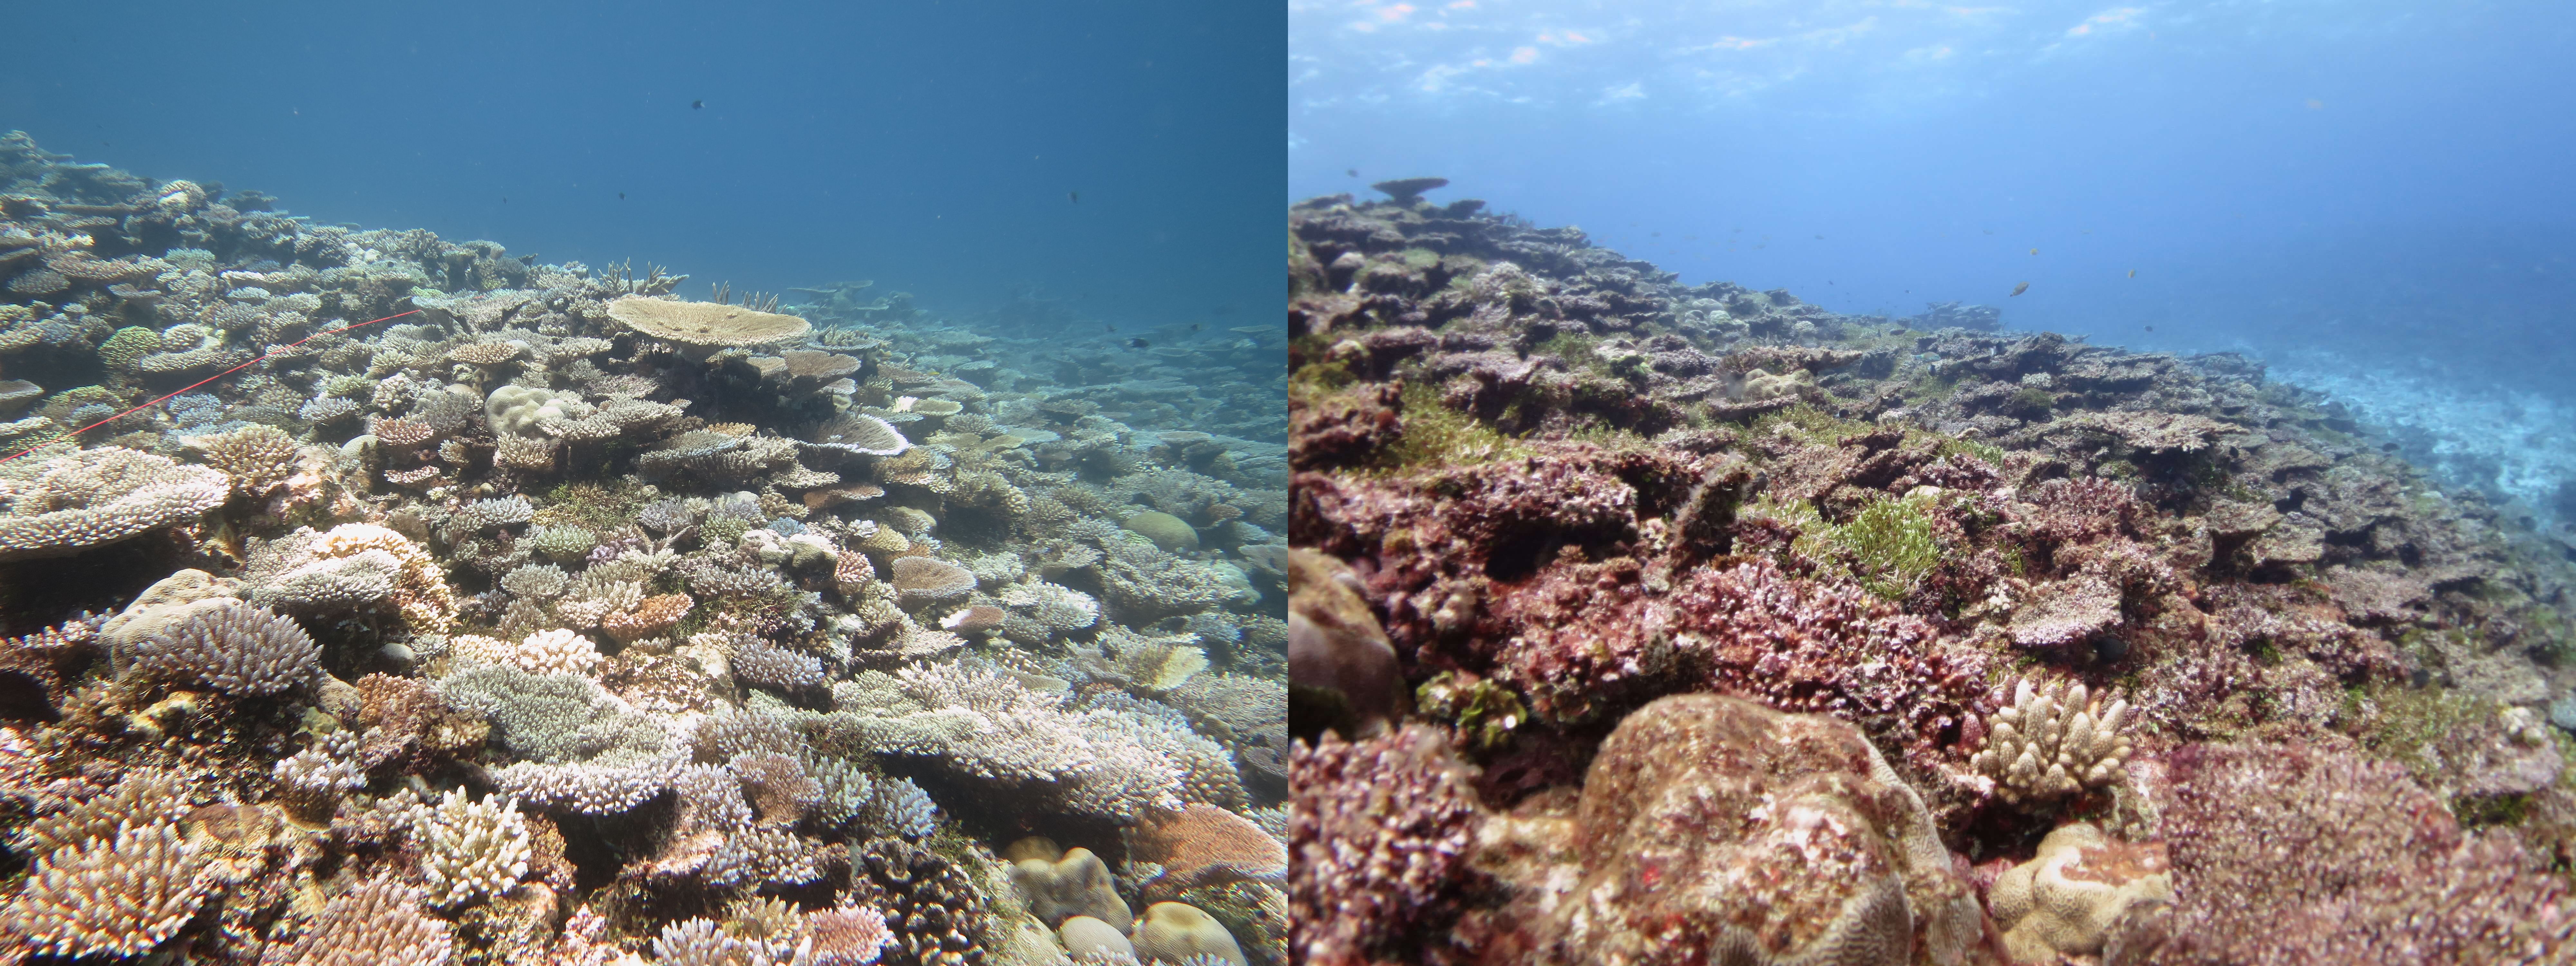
{"x":2305,"y":854}
{"x":1378,"y":838}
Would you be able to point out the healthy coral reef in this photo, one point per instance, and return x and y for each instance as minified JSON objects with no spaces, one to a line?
{"x":2027,"y":648}
{"x":566,"y":620}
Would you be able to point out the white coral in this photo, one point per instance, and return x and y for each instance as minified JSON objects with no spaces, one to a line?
{"x":2053,"y":742}
{"x":471,"y":849}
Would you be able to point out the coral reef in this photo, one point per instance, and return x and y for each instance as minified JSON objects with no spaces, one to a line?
{"x":1547,"y":500}
{"x":560,"y":618}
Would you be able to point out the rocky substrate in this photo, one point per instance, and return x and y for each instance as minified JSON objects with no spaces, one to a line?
{"x":2120,"y":645}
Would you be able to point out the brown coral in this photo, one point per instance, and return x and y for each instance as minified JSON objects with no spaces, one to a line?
{"x":1204,"y":843}
{"x":655,"y":615}
{"x":706,"y":323}
{"x":922,"y":580}
{"x":257,"y":457}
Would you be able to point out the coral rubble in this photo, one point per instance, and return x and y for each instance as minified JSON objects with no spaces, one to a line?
{"x":562,"y":619}
{"x":1636,"y":622}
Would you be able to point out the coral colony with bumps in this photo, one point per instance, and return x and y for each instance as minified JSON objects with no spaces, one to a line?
{"x":1636,"y":623}
{"x":564,"y":620}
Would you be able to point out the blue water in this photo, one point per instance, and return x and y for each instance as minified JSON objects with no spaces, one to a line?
{"x":932,"y":147}
{"x":2364,"y":193}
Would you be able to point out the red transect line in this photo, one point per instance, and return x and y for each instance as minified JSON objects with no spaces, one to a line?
{"x":262,"y":358}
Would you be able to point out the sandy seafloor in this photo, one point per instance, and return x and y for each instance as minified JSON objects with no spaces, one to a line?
{"x":562,"y":619}
{"x":1635,"y":622}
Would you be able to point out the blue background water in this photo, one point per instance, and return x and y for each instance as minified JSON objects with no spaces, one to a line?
{"x":928,"y":146}
{"x":2372,"y":194}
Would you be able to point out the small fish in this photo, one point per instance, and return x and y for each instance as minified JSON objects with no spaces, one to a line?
{"x":1353,"y":172}
{"x":2151,"y":328}
{"x":2133,"y":273}
{"x":621,"y":196}
{"x":1073,"y":196}
{"x":1138,"y":343}
{"x":697,"y":105}
{"x":2018,"y":289}
{"x":2034,"y":251}
{"x":1195,"y":326}
{"x":1108,"y":328}
{"x":1820,"y":238}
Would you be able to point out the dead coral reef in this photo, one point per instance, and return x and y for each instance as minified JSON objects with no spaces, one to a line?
{"x":2134,"y":634}
{"x":567,"y":620}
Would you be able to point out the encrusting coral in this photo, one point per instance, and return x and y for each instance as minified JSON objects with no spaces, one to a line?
{"x":1562,"y":524}
{"x":555,"y":617}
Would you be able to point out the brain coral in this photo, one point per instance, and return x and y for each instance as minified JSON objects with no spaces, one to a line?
{"x":99,"y":496}
{"x":706,"y":323}
{"x":2080,"y":883}
{"x":1713,"y":829}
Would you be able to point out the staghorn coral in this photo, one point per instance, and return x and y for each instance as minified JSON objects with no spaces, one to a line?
{"x":81,"y":500}
{"x":115,"y":897}
{"x":2051,"y":742}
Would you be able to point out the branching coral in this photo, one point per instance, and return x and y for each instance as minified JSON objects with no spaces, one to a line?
{"x":2052,"y":742}
{"x":233,"y":647}
{"x":116,"y":897}
{"x":470,"y":849}
{"x":379,"y":923}
{"x":74,"y":502}
{"x":354,"y":564}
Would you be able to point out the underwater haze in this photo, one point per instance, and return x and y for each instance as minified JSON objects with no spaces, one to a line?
{"x":934,"y":148}
{"x":642,"y":484}
{"x":2367,"y":195}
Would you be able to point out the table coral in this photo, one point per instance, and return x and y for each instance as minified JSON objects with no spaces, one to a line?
{"x":70,"y":503}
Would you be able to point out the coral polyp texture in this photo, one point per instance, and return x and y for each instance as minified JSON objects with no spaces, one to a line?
{"x":568,"y":619}
{"x":1640,"y":622}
